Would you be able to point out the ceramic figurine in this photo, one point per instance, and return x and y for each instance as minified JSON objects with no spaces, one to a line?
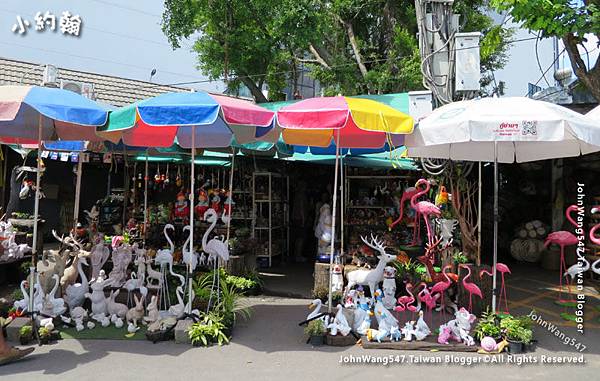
{"x":98,"y":256}
{"x":421,"y":328}
{"x":22,"y":304}
{"x":389,"y":287}
{"x":364,"y":325}
{"x":386,"y":321}
{"x":178,"y":309}
{"x":57,"y":304}
{"x":75,"y":293}
{"x":78,"y":313}
{"x":458,"y":328}
{"x":114,"y":308}
{"x":337,"y":279}
{"x":323,"y":231}
{"x":395,"y":334}
{"x":91,"y":325}
{"x":215,"y":201}
{"x":228,"y":204}
{"x":153,"y":314}
{"x":181,"y":210}
{"x":121,"y":257}
{"x":215,"y":248}
{"x":135,"y":314}
{"x":339,"y":323}
{"x":315,"y":305}
{"x":370,"y":278}
{"x":409,"y":330}
{"x":202,"y":205}
{"x":189,"y":258}
{"x":118,"y":323}
{"x":98,"y":298}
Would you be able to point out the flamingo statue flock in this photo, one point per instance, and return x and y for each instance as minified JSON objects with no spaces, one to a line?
{"x":563,"y":238}
{"x":502,"y":269}
{"x":471,"y":288}
{"x":425,"y":208}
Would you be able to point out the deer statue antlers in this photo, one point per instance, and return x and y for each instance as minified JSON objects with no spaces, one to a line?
{"x":374,"y":244}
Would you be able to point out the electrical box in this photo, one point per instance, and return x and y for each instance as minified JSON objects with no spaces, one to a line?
{"x":467,"y":67}
{"x":419,"y":104}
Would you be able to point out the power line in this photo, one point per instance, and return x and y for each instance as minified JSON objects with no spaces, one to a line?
{"x":96,"y":59}
{"x":131,"y":9}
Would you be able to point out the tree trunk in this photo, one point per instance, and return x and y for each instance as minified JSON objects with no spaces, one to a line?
{"x":321,"y":55}
{"x":355,"y":48}
{"x":256,"y":92}
{"x":589,"y":77}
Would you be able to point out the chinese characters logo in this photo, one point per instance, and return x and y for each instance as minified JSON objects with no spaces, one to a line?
{"x":68,"y":23}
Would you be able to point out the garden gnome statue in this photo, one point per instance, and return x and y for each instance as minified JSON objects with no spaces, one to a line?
{"x":181,"y":211}
{"x":215,"y":201}
{"x":202,"y":205}
{"x":337,"y":279}
{"x":228,"y":204}
{"x":323,"y":230}
{"x":389,"y":287}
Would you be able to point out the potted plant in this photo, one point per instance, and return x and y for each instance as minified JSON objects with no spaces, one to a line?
{"x":517,"y":333}
{"x":209,"y":330}
{"x":25,"y":334}
{"x":315,"y":331}
{"x":45,"y":334}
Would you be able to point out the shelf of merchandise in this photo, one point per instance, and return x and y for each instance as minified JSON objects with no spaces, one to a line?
{"x":259,"y":202}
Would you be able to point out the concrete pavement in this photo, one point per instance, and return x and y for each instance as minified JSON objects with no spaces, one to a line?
{"x":271,"y":347}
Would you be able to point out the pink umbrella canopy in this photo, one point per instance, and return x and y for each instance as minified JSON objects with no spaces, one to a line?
{"x":357,"y":123}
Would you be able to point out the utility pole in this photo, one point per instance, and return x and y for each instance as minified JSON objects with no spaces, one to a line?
{"x":449,"y":59}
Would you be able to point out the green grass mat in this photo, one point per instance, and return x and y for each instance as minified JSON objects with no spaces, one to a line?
{"x":102,"y":333}
{"x":565,"y":304}
{"x":569,"y":317}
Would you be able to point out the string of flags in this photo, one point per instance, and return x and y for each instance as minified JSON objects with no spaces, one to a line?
{"x":86,"y":157}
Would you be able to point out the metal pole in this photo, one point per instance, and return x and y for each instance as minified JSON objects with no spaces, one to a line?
{"x":479,"y":217}
{"x":77,"y":192}
{"x":192,"y":181}
{"x":335,"y":188}
{"x":495,"y":226}
{"x":146,"y":200}
{"x":36,"y":211}
{"x":342,"y":205}
{"x":230,"y":193}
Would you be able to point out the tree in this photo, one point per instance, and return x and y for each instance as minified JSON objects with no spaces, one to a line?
{"x":349,"y":46}
{"x":568,"y":20}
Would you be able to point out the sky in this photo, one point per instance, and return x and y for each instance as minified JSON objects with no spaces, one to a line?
{"x":124,"y":38}
{"x":118,"y":37}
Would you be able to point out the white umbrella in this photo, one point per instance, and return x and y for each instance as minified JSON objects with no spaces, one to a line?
{"x":594,"y":114}
{"x":503,"y":130}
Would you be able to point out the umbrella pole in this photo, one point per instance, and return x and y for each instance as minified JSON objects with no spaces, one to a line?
{"x":335,"y":188}
{"x":77,"y":192}
{"x":36,"y":210}
{"x":146,"y":199}
{"x":342,"y":195}
{"x":495,"y":226}
{"x":188,"y":309}
{"x":230,"y":193}
{"x":479,"y":217}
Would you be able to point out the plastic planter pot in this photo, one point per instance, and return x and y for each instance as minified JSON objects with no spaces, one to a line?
{"x":316,"y":341}
{"x":515,"y":347}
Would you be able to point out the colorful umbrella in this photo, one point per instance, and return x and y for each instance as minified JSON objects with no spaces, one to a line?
{"x":26,"y":112}
{"x":214,"y":119}
{"x":357,"y":122}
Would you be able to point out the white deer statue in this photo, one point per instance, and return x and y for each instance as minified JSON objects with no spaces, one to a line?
{"x":373,"y":277}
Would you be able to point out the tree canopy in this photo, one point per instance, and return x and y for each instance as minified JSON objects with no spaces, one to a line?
{"x":349,"y":46}
{"x":568,"y":20}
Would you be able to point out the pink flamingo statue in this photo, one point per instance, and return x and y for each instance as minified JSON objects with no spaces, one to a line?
{"x":400,"y":307}
{"x":471,"y":288}
{"x":563,"y":238}
{"x":430,"y":301}
{"x":406,"y":196}
{"x":425,"y":208}
{"x":502,"y":269}
{"x":441,"y":288}
{"x":596,"y":264}
{"x":408,"y":301}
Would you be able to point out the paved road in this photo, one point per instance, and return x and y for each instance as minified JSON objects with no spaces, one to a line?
{"x":270,"y":347}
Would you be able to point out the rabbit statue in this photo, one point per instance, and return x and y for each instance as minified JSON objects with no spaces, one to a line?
{"x":115,"y":308}
{"x":153,"y":314}
{"x":136,"y":313}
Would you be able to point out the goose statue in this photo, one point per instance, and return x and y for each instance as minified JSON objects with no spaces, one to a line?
{"x":75,"y":293}
{"x":23,"y":304}
{"x":215,"y":248}
{"x":190,"y":258}
{"x":339,"y":323}
{"x":178,"y":309}
{"x":315,"y":305}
